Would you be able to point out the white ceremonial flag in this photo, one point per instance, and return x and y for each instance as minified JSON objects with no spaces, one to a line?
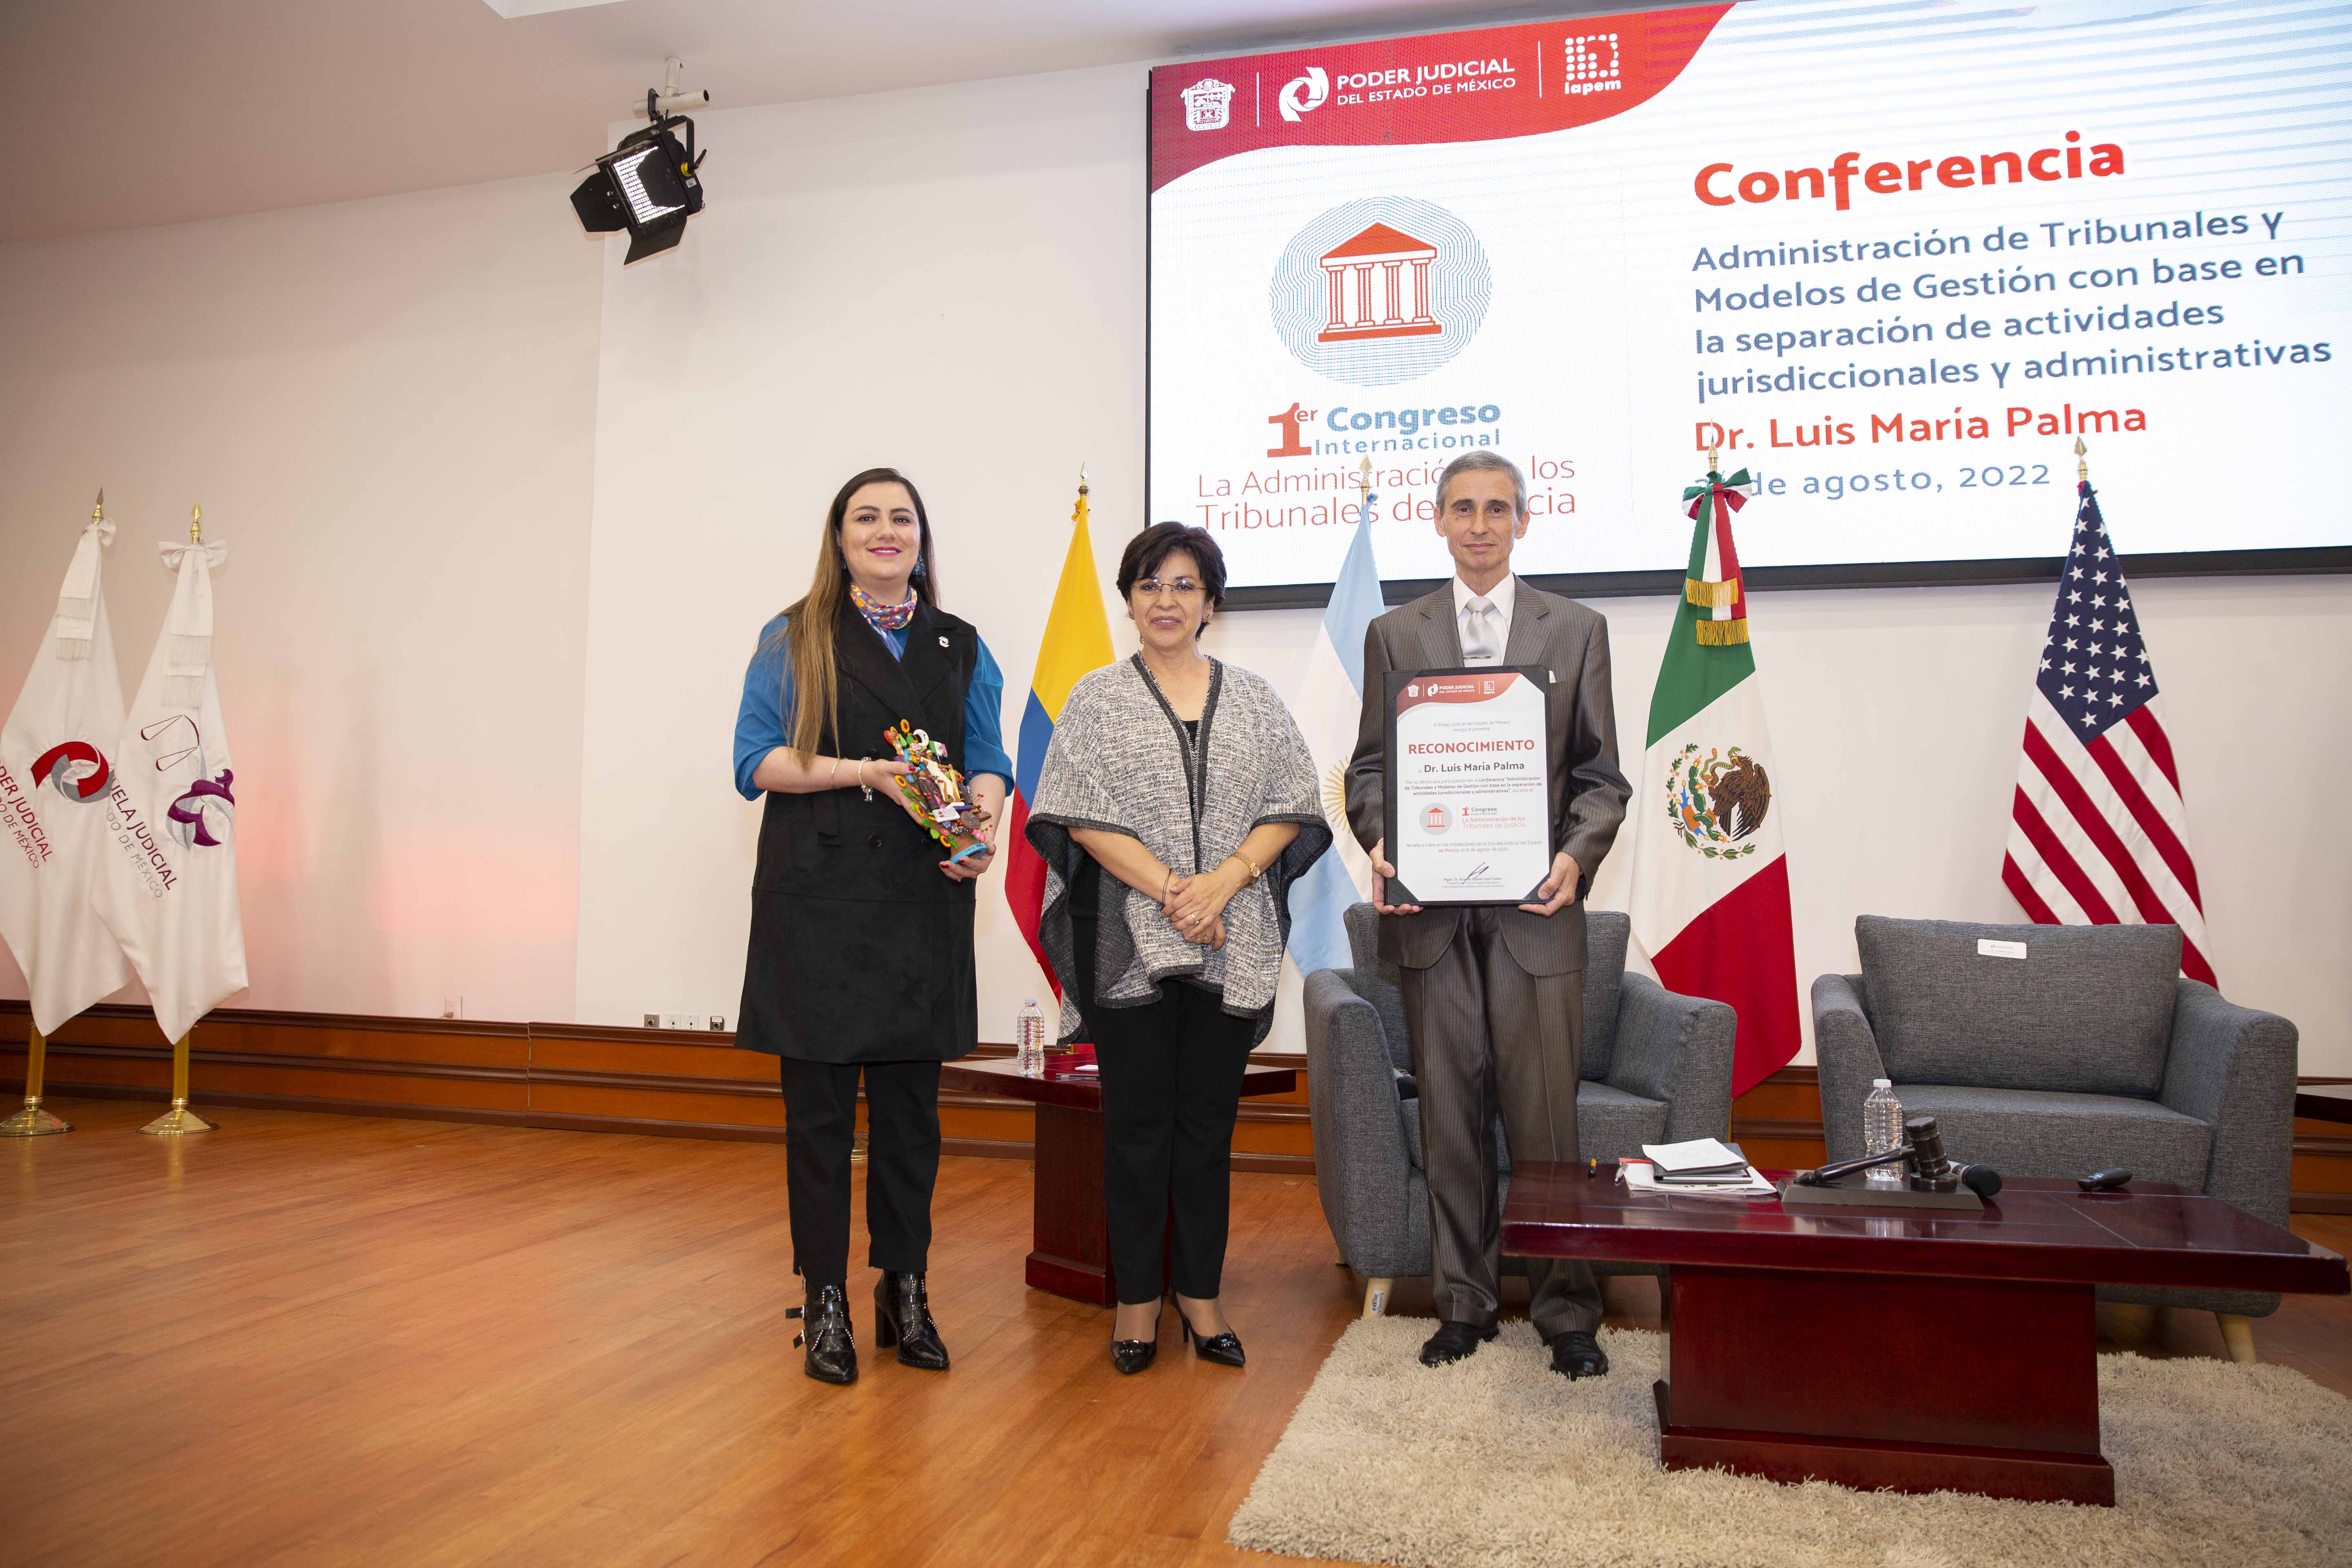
{"x":167,"y":887}
{"x":55,"y":773}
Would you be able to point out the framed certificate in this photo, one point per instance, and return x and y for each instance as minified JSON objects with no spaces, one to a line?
{"x":1469,"y":785}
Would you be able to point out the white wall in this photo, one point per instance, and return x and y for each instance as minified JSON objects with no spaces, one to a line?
{"x":477,"y":709}
{"x":386,"y":409}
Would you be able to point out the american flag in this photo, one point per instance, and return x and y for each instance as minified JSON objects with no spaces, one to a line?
{"x":2097,"y":833}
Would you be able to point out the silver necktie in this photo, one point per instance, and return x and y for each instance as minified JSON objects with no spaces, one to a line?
{"x":1480,"y":641}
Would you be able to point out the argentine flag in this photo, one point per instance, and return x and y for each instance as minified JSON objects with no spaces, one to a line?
{"x":1329,"y":702}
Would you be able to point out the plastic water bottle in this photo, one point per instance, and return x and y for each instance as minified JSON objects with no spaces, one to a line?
{"x":1029,"y":1039}
{"x":1881,"y":1129}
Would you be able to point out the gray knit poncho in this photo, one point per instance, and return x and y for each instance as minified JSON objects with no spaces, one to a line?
{"x":1121,"y":763}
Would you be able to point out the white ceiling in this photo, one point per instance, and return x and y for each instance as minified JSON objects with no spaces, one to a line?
{"x":121,"y":113}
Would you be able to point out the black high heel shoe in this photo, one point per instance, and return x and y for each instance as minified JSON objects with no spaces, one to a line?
{"x":902,"y":1317}
{"x":1132,"y":1356}
{"x":1224,"y":1349}
{"x":831,"y":1343}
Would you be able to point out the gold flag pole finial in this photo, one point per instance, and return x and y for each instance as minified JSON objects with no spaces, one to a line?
{"x":2082,"y":467}
{"x":97,"y":510}
{"x":1082,"y":477}
{"x":1714,"y":458}
{"x":1364,"y":478}
{"x":196,"y":524}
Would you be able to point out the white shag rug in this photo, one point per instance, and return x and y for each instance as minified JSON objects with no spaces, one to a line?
{"x":1496,"y":1462}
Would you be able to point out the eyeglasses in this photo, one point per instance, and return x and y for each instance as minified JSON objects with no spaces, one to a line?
{"x":1182,"y":587}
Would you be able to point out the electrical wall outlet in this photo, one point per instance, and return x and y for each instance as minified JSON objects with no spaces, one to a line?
{"x":653,"y":1021}
{"x":718,"y":1023}
{"x":673,"y":1021}
{"x":453,"y":1006}
{"x":692,"y":1021}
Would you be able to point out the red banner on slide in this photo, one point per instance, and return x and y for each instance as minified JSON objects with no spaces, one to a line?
{"x":1478,"y":86}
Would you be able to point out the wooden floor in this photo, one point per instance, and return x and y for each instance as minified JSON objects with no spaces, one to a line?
{"x":326,"y":1340}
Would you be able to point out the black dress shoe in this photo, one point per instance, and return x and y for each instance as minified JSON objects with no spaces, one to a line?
{"x":1452,"y":1342}
{"x":1132,"y":1356}
{"x":832,"y":1344}
{"x":1224,"y":1349}
{"x":1576,"y":1354}
{"x":902,"y":1317}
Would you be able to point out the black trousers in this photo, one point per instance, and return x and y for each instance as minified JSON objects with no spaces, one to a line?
{"x":902,"y":1163}
{"x":1171,"y":1081}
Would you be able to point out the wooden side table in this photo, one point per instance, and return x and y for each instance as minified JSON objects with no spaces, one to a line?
{"x":1070,"y":1239}
{"x":1914,"y":1350}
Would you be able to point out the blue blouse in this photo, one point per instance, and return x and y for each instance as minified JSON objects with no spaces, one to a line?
{"x":764,"y":722}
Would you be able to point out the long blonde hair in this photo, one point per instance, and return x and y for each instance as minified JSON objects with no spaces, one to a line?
{"x":810,"y":628}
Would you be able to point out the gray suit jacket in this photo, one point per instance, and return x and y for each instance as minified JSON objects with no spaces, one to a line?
{"x":1588,"y":792}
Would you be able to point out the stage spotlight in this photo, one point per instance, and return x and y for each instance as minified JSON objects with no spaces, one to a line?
{"x":648,"y":184}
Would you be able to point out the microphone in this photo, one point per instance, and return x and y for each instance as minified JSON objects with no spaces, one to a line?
{"x":2106,"y":1181}
{"x":1982,"y":1180}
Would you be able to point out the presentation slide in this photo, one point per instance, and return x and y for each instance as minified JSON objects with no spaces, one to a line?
{"x":1895,"y":261}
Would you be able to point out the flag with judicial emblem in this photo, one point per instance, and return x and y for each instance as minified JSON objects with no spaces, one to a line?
{"x":56,"y":775}
{"x":1710,"y":899}
{"x":1330,"y":700}
{"x":2097,"y":833}
{"x":166,"y":885}
{"x":1077,"y":639}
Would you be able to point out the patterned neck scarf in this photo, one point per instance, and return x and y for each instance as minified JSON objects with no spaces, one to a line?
{"x":882,"y":617}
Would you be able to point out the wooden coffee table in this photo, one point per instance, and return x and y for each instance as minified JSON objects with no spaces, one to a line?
{"x":1070,"y":1251}
{"x":1901,"y":1349}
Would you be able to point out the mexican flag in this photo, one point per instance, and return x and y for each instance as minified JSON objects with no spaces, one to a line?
{"x":1710,"y":902}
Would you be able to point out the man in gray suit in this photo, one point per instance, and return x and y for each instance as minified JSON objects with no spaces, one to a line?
{"x":1494,"y":997}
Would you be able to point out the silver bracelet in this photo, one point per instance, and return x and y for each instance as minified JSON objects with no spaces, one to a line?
{"x":832,"y":778}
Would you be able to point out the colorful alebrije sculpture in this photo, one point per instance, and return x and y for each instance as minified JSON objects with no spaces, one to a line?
{"x":933,"y":793}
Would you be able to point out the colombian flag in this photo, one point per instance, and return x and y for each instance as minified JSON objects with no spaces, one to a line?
{"x":1077,"y":639}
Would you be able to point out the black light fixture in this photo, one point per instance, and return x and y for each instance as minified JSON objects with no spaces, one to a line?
{"x":648,"y":184}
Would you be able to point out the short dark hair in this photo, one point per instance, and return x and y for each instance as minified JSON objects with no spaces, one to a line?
{"x":1147,"y":550}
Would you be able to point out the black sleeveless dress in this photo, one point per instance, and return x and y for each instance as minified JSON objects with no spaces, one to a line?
{"x":861,"y":950}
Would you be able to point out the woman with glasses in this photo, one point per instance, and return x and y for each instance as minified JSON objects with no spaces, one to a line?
{"x":1176,"y":805}
{"x":861,"y":958}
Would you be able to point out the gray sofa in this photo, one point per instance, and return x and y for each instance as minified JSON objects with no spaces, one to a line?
{"x":2091,"y":1051}
{"x":1657,"y":1068}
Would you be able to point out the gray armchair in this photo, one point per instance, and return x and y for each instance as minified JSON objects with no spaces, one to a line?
{"x":1657,"y":1068}
{"x":2090,"y":1052}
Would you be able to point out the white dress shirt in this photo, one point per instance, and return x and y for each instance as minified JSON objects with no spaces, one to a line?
{"x":1504,"y":595}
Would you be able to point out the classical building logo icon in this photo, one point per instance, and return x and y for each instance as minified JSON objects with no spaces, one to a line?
{"x":1380,"y":290}
{"x":1436,"y":820}
{"x":1208,"y":104}
{"x":1379,"y":287}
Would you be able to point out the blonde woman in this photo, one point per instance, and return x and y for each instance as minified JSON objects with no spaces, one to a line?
{"x":861,"y":955}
